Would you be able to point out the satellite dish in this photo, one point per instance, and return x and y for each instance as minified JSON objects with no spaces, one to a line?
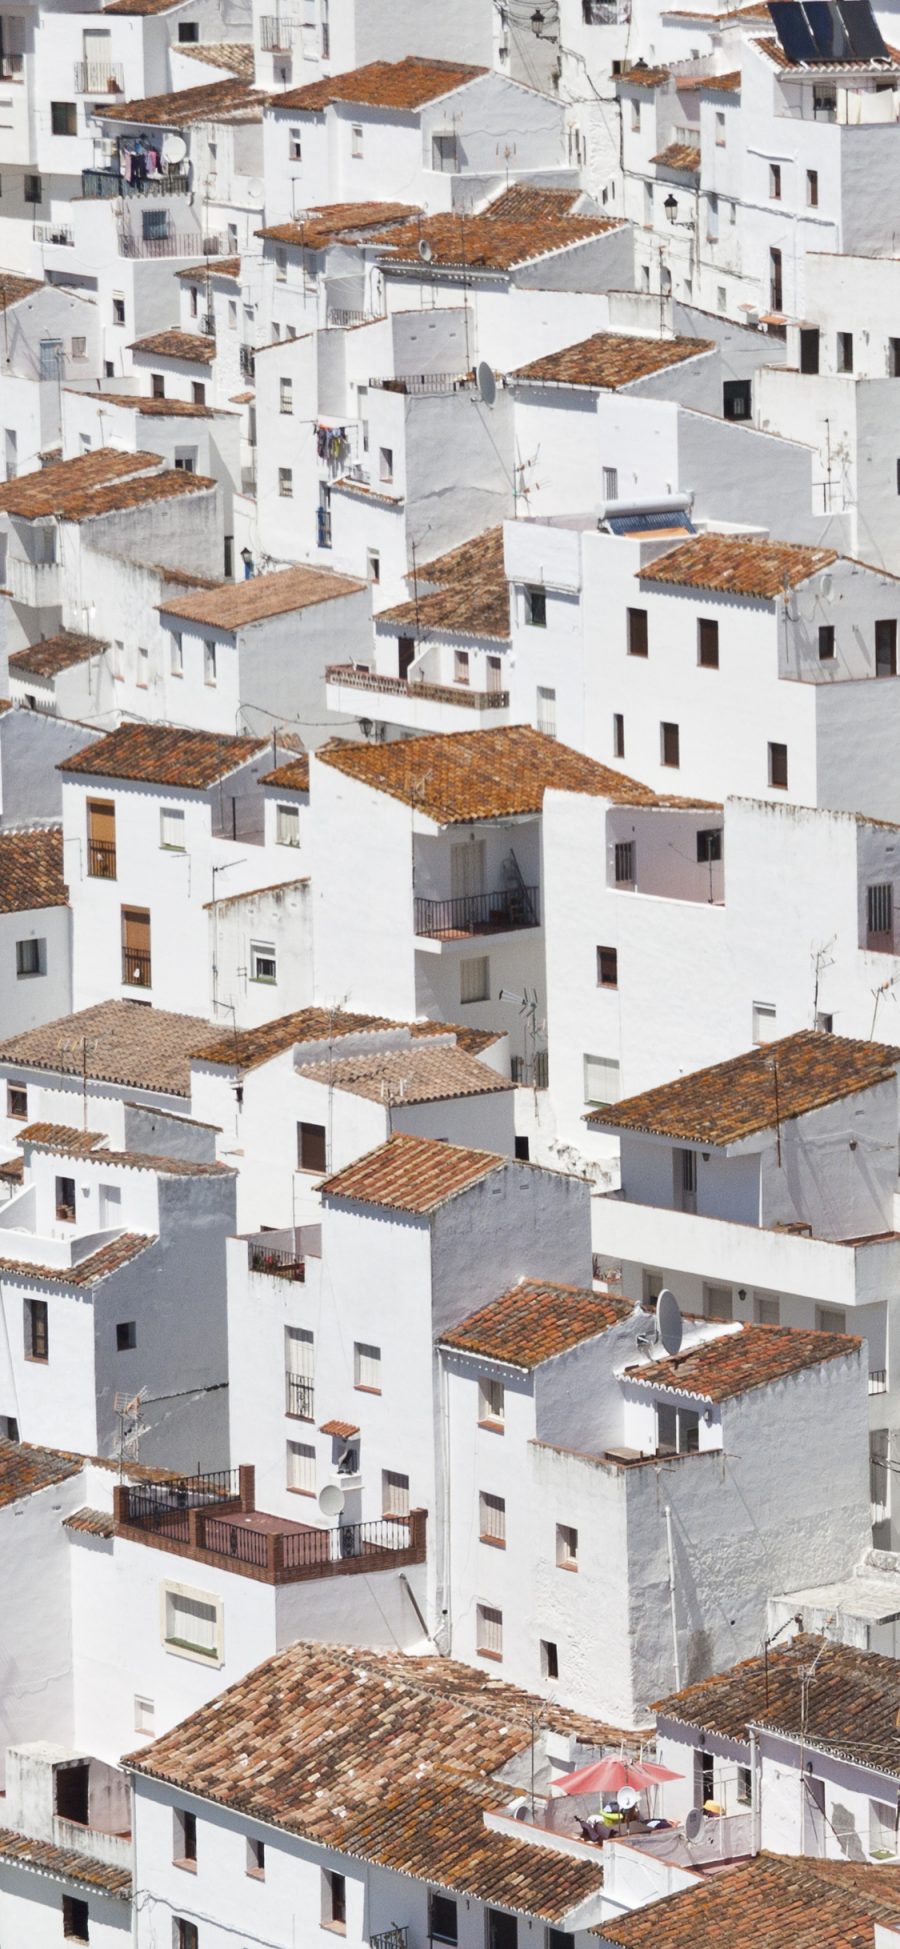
{"x":174,"y":148}
{"x":487,"y":384}
{"x":693,"y":1824}
{"x":669,"y":1323}
{"x":626,"y":1798}
{"x":425,"y":251}
{"x":256,"y":189}
{"x":331,"y":1499}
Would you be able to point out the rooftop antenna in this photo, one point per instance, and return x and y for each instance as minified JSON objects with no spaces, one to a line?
{"x":127,"y":1408}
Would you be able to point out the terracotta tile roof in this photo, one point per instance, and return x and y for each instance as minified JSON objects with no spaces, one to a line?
{"x":13,"y":289}
{"x":176,"y":344}
{"x":418,"y":1074}
{"x":56,"y":653}
{"x":235,"y":605}
{"x":114,"y":1042}
{"x":738,"y":565}
{"x":734,"y":1099}
{"x":88,"y":1272}
{"x":24,"y":1469}
{"x":141,"y":6}
{"x":150,"y":408}
{"x":678,"y":155}
{"x":609,"y":360}
{"x":247,"y":1048}
{"x":212,"y":267}
{"x":481,"y":557}
{"x":412,"y":1174}
{"x":236,"y":55}
{"x":529,"y":203}
{"x":342,"y":1429}
{"x":64,"y":1864}
{"x":476,"y":775}
{"x":771,"y":1902}
{"x":478,"y":606}
{"x":736,"y":1363}
{"x":290,"y":777}
{"x":94,"y":1148}
{"x":490,"y":243}
{"x":170,"y":485}
{"x":215,"y":101}
{"x":61,"y":1136}
{"x":535,"y":1321}
{"x":851,"y":1704}
{"x":408,"y":84}
{"x":13,"y":1170}
{"x":91,"y":1522}
{"x":160,"y":754}
{"x":53,"y":489}
{"x":406,"y":1782}
{"x":643,"y":77}
{"x":717,"y":84}
{"x":318,"y":228}
{"x":31,"y":870}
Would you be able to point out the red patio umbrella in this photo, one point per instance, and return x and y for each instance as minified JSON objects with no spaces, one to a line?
{"x":607,"y":1776}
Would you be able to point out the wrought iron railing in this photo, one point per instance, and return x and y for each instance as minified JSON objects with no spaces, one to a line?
{"x":52,"y":233}
{"x":477,"y":913}
{"x":276,"y":36}
{"x":99,"y":78}
{"x":318,"y":1552}
{"x":532,"y":1072}
{"x":300,"y":1394}
{"x":278,"y":1264}
{"x":101,"y":859}
{"x":426,"y":382}
{"x":394,"y":1938}
{"x":353,"y":677}
{"x":136,"y":967}
{"x":164,"y":1508}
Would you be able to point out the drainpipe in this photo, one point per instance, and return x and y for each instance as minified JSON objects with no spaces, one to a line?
{"x":755,"y":1808}
{"x":672,"y":1605}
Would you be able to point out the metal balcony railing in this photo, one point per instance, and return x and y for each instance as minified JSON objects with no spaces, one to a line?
{"x":426,"y":382}
{"x":99,"y":78}
{"x":164,"y":1508}
{"x":101,"y":859}
{"x":299,"y":1396}
{"x":136,"y":967}
{"x":477,"y":913}
{"x":354,"y":677}
{"x":52,"y":233}
{"x":277,"y":1264}
{"x":276,"y":36}
{"x":212,"y":1517}
{"x":878,"y":1380}
{"x":248,"y":361}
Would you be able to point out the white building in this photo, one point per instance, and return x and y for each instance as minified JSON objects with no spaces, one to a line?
{"x":35,"y":928}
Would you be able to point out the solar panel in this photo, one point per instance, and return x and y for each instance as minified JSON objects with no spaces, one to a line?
{"x":863,"y":30}
{"x":828,"y":31}
{"x":790,"y":24}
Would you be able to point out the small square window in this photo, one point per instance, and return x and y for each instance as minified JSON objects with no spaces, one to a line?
{"x":669,"y":746}
{"x":286,"y":483}
{"x":566,"y":1547}
{"x":171,"y":829}
{"x":778,"y":766}
{"x":312,"y":1148}
{"x":192,"y":1623}
{"x":601,"y":1080}
{"x":491,"y":1403}
{"x":17,"y":1101}
{"x":31,"y":958}
{"x":707,"y":644}
{"x":367,"y":1367}
{"x":394,"y":1493}
{"x":356,"y":140}
{"x":256,"y":1859}
{"x":826,"y":642}
{"x":301,"y":1467}
{"x":144,"y":1714}
{"x":126,"y":1336}
{"x":79,"y":348}
{"x":607,"y":967}
{"x":492,"y":1520}
{"x":475,"y":979}
{"x":443,"y":1925}
{"x":287,"y":825}
{"x":638,"y":641}
{"x":489,"y":1632}
{"x":76,"y":1925}
{"x":709,"y":845}
{"x":188,"y":30}
{"x":764,"y":1019}
{"x":619,"y":721}
{"x":767,"y":1309}
{"x":263,"y":965}
{"x":536,"y":608}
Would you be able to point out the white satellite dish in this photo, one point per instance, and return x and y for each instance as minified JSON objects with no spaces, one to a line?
{"x":487,"y":384}
{"x":425,"y":251}
{"x":626,"y":1798}
{"x":256,"y":189}
{"x":669,"y":1323}
{"x":174,"y":148}
{"x":331,"y":1499}
{"x":693,"y":1824}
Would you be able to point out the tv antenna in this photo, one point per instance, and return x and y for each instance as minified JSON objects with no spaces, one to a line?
{"x":127,"y":1408}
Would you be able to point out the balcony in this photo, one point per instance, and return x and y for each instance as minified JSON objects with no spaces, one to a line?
{"x":299,"y":1394}
{"x":136,"y":967}
{"x":53,"y":233}
{"x":99,"y":78}
{"x":101,"y":855}
{"x":275,"y":1262}
{"x":248,"y":361}
{"x":105,"y":183}
{"x":214,"y":1519}
{"x":276,"y":36}
{"x":350,"y":677}
{"x":417,"y":384}
{"x":477,"y":913}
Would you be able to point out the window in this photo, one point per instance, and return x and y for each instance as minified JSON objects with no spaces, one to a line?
{"x":256,"y":1859}
{"x":126,"y":1336}
{"x":17,"y":1101}
{"x":624,"y":862}
{"x":566,"y":1547}
{"x":651,"y":1286}
{"x":209,"y":663}
{"x":669,"y":745}
{"x":882,"y":1828}
{"x":475,"y":979}
{"x":334,"y":1902}
{"x":198,"y":392}
{"x":824,"y":1021}
{"x":286,"y":395}
{"x":812,"y":188}
{"x":144,"y":1714}
{"x":607,"y":967}
{"x":619,"y":733}
{"x":704,"y":1778}
{"x":536,"y":608}
{"x":373,"y":565}
{"x":845,"y":351}
{"x":176,"y":654}
{"x":831,"y":1319}
{"x":194,"y":298}
{"x":157,"y":385}
{"x":171,"y":828}
{"x":610,"y":483}
{"x":685,"y":1174}
{"x":826,"y":642}
{"x":601,"y":1080}
{"x":263,"y":966}
{"x":764,"y":1018}
{"x":489,"y":1632}
{"x":880,"y":909}
{"x":280,"y":277}
{"x":37,"y":1330}
{"x":894,"y":357}
{"x":63,"y":118}
{"x":766,"y":1309}
{"x":295,"y":144}
{"x":367,"y":1367}
{"x":142,"y":673}
{"x":31,"y":958}
{"x":492,"y":1519}
{"x":502,"y":1930}
{"x":33,"y":190}
{"x":635,"y":117}
{"x":886,"y":649}
{"x":442,"y":1922}
{"x":718,"y":1302}
{"x":677,"y":1429}
{"x":491,"y":1403}
{"x":778,"y":766}
{"x":394,"y":1493}
{"x":286,"y":483}
{"x":311,"y":1147}
{"x":192,"y":1623}
{"x":301,"y":1468}
{"x":549,"y":1659}
{"x":736,"y":399}
{"x":386,"y":463}
{"x":356,"y":140}
{"x":637,"y":632}
{"x":188,"y":30}
{"x":75,"y":1919}
{"x":709,"y":845}
{"x":232,"y":315}
{"x":776,"y":287}
{"x":546,"y":711}
{"x":721,"y":298}
{"x":720,"y":131}
{"x":744,"y":1786}
{"x":118,"y":311}
{"x":287,"y":825}
{"x":185,"y":1933}
{"x":444,"y":155}
{"x":461,"y":666}
{"x":707,"y":644}
{"x":65,"y":1199}
{"x":184,"y":1838}
{"x":775,"y":182}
